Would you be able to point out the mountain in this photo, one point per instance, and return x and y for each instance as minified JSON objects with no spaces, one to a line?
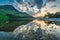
{"x":10,"y":18}
{"x":11,"y":10}
{"x":8,"y":7}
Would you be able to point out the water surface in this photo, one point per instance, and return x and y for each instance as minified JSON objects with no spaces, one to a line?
{"x":35,"y":30}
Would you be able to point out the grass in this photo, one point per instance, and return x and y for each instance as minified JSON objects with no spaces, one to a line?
{"x":9,"y":25}
{"x":3,"y":19}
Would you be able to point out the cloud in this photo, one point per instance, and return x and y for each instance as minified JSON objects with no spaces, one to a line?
{"x":31,"y":7}
{"x":51,"y":0}
{"x":53,"y":6}
{"x":37,"y":8}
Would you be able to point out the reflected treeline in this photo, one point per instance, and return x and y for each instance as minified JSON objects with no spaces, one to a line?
{"x":52,"y":22}
{"x":9,"y":26}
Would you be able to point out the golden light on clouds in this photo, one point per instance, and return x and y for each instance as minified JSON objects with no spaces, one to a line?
{"x":42,"y":13}
{"x":53,"y":10}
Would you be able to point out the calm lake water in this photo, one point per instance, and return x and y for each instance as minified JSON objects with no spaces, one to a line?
{"x":34,"y":30}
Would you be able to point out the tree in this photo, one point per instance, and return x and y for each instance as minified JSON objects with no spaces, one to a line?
{"x":3,"y":19}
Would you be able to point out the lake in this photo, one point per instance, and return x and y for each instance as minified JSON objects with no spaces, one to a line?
{"x":34,"y":30}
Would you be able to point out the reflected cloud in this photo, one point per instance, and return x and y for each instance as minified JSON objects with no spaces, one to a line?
{"x":41,"y":23}
{"x":51,"y":30}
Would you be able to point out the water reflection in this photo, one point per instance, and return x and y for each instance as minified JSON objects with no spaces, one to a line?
{"x":35,"y":30}
{"x":9,"y":26}
{"x":46,"y":31}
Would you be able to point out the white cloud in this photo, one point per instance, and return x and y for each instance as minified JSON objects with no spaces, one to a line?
{"x":51,"y":6}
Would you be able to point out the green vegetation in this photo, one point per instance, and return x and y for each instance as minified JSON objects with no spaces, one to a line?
{"x":3,"y":19}
{"x":53,"y":15}
{"x":7,"y":20}
{"x":5,"y":12}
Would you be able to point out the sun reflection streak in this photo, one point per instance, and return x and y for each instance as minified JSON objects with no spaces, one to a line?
{"x":41,"y":23}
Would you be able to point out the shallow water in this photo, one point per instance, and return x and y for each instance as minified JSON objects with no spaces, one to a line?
{"x":46,"y":30}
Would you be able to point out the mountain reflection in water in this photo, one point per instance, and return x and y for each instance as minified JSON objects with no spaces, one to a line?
{"x":36,"y":30}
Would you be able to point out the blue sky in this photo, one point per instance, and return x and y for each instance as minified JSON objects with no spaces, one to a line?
{"x":3,"y":2}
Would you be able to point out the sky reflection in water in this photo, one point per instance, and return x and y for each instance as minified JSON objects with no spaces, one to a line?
{"x":37,"y":29}
{"x":47,"y":28}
